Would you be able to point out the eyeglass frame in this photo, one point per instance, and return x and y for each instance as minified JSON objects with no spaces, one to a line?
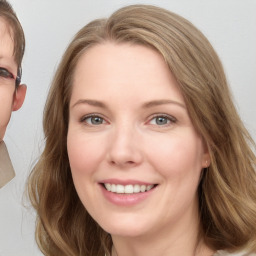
{"x":18,"y":77}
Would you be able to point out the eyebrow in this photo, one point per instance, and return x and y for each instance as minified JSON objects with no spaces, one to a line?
{"x":94,"y":103}
{"x":149,"y":104}
{"x":155,"y":103}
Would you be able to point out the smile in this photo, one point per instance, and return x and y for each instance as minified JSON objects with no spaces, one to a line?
{"x":127,"y":189}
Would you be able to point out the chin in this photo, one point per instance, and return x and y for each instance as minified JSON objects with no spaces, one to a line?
{"x":127,"y":228}
{"x":125,"y":232}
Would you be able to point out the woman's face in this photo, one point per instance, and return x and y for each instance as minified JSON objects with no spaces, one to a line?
{"x":134,"y":154}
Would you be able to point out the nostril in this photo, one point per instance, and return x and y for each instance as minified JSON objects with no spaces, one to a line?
{"x":124,"y":156}
{"x":122,"y":163}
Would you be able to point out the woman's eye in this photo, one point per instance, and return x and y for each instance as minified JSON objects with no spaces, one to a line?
{"x":93,"y":120}
{"x":162,"y":120}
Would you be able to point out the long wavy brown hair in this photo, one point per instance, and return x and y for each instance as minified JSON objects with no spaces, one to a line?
{"x":227,"y":192}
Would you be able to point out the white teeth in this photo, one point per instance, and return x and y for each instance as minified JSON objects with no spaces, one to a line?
{"x":142,"y":188}
{"x":136,"y":188}
{"x":119,"y":189}
{"x":108,"y":186}
{"x":127,"y":189}
{"x":149,"y":187}
{"x":113,"y":188}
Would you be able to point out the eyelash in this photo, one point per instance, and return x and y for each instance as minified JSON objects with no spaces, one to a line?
{"x":170,"y":119}
{"x":83,"y":119}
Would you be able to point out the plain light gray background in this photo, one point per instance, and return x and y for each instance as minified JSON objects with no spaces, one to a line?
{"x":49,"y":25}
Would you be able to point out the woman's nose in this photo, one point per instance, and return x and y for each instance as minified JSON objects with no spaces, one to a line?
{"x":125,"y":149}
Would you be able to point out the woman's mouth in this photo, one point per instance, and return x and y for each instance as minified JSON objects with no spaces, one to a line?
{"x":128,"y":189}
{"x":126,"y":192}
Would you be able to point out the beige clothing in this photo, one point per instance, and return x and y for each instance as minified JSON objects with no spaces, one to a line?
{"x":6,"y":169}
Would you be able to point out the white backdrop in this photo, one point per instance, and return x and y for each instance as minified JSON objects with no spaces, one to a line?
{"x":49,"y":25}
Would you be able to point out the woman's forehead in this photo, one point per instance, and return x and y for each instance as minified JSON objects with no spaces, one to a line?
{"x":126,"y":70}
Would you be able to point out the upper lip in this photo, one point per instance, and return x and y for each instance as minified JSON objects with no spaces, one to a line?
{"x":126,"y":182}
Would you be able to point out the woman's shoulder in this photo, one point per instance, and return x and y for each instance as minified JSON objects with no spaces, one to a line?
{"x":225,"y":253}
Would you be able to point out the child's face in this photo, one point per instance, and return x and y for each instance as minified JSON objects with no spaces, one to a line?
{"x":9,"y":98}
{"x":129,"y":132}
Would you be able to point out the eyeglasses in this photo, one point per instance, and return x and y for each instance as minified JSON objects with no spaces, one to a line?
{"x":7,"y":78}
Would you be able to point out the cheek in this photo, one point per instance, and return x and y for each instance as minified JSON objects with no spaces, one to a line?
{"x":6,"y":100}
{"x":84,"y":153}
{"x":84,"y":158}
{"x":178,"y":154}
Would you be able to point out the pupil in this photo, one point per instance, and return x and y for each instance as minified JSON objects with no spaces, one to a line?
{"x":4,"y":73}
{"x":161,"y":120}
{"x":96,"y":120}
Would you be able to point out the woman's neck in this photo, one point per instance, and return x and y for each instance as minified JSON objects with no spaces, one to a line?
{"x":146,"y":249}
{"x":179,"y":238}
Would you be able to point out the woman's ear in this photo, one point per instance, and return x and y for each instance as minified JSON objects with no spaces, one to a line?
{"x":206,"y":159}
{"x":18,"y":97}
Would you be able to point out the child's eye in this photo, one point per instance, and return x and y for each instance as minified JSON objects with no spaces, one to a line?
{"x":162,"y":120}
{"x":93,"y":120}
{"x":4,"y":73}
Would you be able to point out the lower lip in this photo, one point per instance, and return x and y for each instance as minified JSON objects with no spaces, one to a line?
{"x":126,"y":199}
